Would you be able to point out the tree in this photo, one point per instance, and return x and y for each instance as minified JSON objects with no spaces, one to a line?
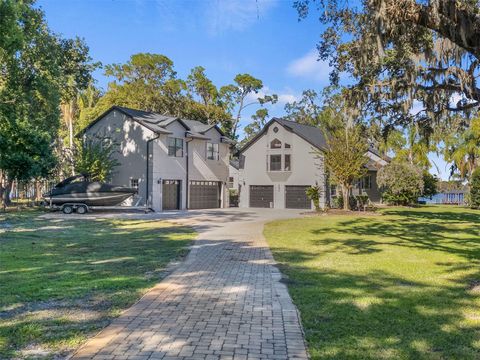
{"x":475,"y":189}
{"x":31,"y":80}
{"x":259,"y":119}
{"x":430,"y":185}
{"x":235,"y":96}
{"x":403,"y":53}
{"x":463,"y":149}
{"x":306,"y":110}
{"x":345,"y":158}
{"x":96,"y":158}
{"x":402,"y":183}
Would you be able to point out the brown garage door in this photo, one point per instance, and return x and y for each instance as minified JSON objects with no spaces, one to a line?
{"x":204,"y":194}
{"x":261,"y":196}
{"x":171,"y":194}
{"x":296,"y":197}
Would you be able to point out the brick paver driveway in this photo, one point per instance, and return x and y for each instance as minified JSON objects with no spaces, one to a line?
{"x":225,"y":301}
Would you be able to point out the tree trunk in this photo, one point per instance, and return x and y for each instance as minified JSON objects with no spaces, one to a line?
{"x":346,"y":202}
{"x":6,"y":193}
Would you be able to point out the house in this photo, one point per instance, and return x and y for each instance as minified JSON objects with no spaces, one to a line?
{"x":281,"y":162}
{"x":175,"y":163}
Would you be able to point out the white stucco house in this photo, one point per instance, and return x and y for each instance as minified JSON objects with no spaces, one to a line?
{"x":282,"y":161}
{"x":175,"y":163}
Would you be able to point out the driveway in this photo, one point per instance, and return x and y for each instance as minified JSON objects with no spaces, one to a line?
{"x":225,"y":301}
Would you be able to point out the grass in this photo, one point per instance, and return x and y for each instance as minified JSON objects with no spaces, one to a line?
{"x":63,"y":280}
{"x":401,"y":285}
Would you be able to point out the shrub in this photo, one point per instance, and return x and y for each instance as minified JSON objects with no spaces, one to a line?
{"x":430,"y":184}
{"x":474,"y":198}
{"x":401,"y":183}
{"x":313,"y":193}
{"x":338,"y":202}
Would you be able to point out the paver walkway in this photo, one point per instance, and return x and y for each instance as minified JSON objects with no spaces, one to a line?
{"x":225,"y":301}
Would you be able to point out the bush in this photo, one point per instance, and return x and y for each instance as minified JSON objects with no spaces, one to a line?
{"x":338,"y":202}
{"x":313,"y":193}
{"x":474,"y":198}
{"x":430,"y":184}
{"x":401,"y":183}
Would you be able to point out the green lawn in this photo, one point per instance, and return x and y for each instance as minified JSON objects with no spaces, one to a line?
{"x":62,"y":280}
{"x":401,"y":285}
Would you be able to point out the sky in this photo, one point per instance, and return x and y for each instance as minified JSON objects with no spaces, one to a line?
{"x":263,"y":38}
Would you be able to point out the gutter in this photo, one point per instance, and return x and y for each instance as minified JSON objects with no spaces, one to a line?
{"x":187,"y":187}
{"x":147,"y":183}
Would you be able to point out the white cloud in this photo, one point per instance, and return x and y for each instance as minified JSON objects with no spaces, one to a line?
{"x":285,"y":96}
{"x":235,"y":15}
{"x":308,"y":66}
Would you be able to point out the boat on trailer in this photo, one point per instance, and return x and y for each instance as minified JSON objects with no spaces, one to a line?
{"x":80,"y":194}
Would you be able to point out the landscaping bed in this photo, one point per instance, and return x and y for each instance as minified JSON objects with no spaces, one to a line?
{"x":62,"y":280}
{"x":403,"y":285}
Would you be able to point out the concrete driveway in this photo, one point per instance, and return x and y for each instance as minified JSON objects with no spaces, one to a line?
{"x":225,"y":301}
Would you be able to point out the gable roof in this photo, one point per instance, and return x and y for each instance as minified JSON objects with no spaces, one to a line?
{"x":158,"y":122}
{"x":310,"y":134}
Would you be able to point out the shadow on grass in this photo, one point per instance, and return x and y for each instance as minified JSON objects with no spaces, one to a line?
{"x":377,"y":315}
{"x":76,"y":273}
{"x":452,"y":232}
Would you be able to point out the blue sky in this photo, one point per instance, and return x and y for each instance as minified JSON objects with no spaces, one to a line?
{"x":263,"y":38}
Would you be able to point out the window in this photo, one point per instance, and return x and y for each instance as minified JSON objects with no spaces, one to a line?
{"x":230,"y":179}
{"x":175,"y":147}
{"x":212,"y":151}
{"x":287,"y":146}
{"x":276,"y":144}
{"x":275,"y":162}
{"x":333,"y":190}
{"x":134,"y":183}
{"x":367,"y":182}
{"x":287,"y":164}
{"x":275,"y":129}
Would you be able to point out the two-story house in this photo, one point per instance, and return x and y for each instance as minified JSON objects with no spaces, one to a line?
{"x":284,"y":159}
{"x":174,"y":163}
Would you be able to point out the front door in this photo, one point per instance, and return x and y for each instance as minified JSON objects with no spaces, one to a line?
{"x":171,"y":194}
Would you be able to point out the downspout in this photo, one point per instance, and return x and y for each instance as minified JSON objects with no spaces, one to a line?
{"x":187,"y":187}
{"x":147,"y":183}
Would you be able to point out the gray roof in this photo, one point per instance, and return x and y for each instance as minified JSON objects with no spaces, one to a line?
{"x":235,"y":164}
{"x":311,"y":134}
{"x":158,"y":122}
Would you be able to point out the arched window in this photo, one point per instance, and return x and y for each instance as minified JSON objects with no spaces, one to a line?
{"x":276,"y":144}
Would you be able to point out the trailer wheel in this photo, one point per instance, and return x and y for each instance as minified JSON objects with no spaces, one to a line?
{"x":67,"y":209}
{"x":82,"y":209}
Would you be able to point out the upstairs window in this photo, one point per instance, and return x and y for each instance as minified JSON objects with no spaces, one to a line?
{"x":287,"y":163}
{"x":212,"y":151}
{"x":175,"y":147}
{"x":275,"y":163}
{"x":275,"y":144}
{"x":287,"y":146}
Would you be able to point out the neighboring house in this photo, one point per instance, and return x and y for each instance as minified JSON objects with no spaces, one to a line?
{"x":233,"y":175}
{"x":174,"y":163}
{"x":279,"y":164}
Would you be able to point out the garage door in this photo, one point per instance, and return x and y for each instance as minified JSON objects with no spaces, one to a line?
{"x":296,"y":198}
{"x":204,"y":194}
{"x":171,"y":194}
{"x":261,"y":196}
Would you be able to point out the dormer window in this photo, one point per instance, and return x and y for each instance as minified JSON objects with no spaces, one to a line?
{"x":276,"y":144}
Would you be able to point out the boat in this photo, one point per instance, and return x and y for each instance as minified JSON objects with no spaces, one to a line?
{"x":79,"y":190}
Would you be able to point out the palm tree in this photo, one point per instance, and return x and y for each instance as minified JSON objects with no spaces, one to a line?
{"x":463,"y":149}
